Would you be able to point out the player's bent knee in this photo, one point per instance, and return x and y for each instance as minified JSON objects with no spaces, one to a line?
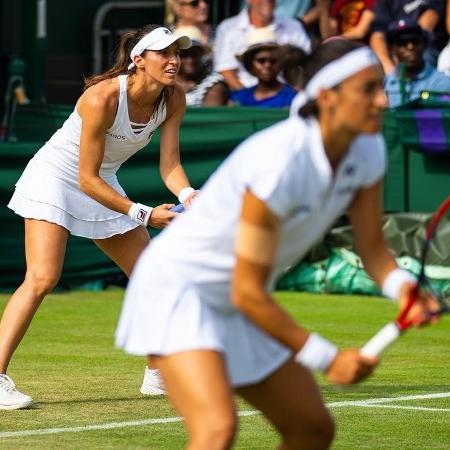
{"x":216,"y":434}
{"x":315,"y":435}
{"x":41,"y":282}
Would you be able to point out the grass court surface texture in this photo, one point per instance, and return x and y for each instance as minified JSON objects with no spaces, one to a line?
{"x":87,"y":392}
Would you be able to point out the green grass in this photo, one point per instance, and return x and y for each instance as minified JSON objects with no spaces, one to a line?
{"x":68,"y":363}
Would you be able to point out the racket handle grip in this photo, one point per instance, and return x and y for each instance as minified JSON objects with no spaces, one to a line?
{"x":177,"y":208}
{"x":381,"y":341}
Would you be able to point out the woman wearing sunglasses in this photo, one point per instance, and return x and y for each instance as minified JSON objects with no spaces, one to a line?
{"x":262,"y":59}
{"x":188,"y":13}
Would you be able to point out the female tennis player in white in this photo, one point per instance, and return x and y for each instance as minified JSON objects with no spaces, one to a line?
{"x":199,"y":298}
{"x":70,"y":185}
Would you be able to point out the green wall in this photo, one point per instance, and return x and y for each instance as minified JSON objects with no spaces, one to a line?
{"x":414,"y":182}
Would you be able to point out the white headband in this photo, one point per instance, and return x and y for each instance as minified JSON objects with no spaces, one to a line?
{"x":159,"y":39}
{"x":334,"y":73}
{"x":338,"y":70}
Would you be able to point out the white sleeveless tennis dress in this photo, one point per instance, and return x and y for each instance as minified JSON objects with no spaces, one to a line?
{"x":178,"y":297}
{"x":49,"y":190}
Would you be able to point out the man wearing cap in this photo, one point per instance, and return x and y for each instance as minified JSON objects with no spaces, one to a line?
{"x":231,"y":38}
{"x":429,"y":14}
{"x":412,"y":74}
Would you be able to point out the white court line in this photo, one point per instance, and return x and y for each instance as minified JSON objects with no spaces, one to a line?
{"x":374,"y":402}
{"x":411,"y":408}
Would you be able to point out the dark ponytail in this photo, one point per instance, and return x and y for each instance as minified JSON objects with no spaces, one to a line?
{"x":127,"y":42}
{"x":319,"y":58}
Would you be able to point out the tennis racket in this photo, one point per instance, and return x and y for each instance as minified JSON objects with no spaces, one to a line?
{"x":177,"y":208}
{"x":430,"y":256}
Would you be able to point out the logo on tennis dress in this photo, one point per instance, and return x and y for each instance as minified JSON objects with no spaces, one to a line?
{"x":349,"y":171}
{"x":119,"y":137}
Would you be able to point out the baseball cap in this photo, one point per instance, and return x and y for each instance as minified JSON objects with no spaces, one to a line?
{"x":403,"y":28}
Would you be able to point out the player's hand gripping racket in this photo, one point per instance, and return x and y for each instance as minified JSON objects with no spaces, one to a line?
{"x":390,"y":332}
{"x":177,"y":208}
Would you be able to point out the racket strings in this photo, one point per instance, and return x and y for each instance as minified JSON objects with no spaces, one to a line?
{"x":435,"y":274}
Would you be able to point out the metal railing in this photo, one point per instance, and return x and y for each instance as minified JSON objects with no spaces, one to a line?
{"x":99,"y":32}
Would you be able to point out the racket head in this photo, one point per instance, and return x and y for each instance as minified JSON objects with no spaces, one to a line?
{"x":435,"y":260}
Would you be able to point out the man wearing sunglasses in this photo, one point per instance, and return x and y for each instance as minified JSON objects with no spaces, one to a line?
{"x":429,"y":14}
{"x":412,"y":74}
{"x":231,"y":39}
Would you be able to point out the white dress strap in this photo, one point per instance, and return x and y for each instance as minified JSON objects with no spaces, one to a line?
{"x":123,"y":82}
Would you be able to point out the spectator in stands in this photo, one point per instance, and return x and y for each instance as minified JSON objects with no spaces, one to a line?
{"x":351,"y":19}
{"x":444,"y":57}
{"x":187,"y":13}
{"x":412,"y":74}
{"x":429,"y":14}
{"x":70,"y":186}
{"x":295,"y":9}
{"x":202,"y":88}
{"x":262,"y":59}
{"x":290,"y":9}
{"x":231,"y":37}
{"x":200,"y":297}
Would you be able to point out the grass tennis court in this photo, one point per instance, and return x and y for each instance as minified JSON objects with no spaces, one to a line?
{"x":87,"y":392}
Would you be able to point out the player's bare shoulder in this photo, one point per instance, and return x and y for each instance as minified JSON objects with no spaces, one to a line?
{"x":100,"y":99}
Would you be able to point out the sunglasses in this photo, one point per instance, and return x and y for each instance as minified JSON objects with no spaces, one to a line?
{"x":404,"y":41}
{"x":264,"y":60}
{"x":192,"y":3}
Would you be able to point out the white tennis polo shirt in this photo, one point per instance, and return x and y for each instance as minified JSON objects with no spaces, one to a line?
{"x":286,"y":167}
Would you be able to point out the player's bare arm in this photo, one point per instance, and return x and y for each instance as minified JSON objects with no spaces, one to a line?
{"x":256,"y":247}
{"x":97,"y":108}
{"x":171,"y":169}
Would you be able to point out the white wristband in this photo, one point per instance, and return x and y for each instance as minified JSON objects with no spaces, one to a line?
{"x":140,"y":213}
{"x":184,"y":194}
{"x":394,"y":282}
{"x":317,"y":353}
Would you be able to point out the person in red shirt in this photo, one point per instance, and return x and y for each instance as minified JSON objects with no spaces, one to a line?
{"x":352,"y":18}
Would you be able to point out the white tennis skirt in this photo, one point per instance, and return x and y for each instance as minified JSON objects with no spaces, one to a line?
{"x":41,"y":195}
{"x":163,"y":315}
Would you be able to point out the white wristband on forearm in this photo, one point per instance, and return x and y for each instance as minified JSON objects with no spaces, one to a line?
{"x":140,"y":213}
{"x":185,"y":193}
{"x":317,"y":353}
{"x":394,"y":282}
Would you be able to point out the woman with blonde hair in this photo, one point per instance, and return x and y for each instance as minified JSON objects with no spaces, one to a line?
{"x":187,"y":13}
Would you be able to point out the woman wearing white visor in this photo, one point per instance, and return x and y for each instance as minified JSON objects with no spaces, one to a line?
{"x":199,"y":298}
{"x":70,"y":185}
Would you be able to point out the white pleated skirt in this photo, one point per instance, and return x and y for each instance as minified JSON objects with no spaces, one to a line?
{"x":163,"y":314}
{"x":43,"y":195}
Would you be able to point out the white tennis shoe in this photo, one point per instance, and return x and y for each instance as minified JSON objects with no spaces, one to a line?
{"x":10,"y":397}
{"x":152,"y":383}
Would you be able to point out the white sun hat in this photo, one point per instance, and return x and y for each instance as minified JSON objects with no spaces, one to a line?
{"x":256,"y":39}
{"x":159,"y":39}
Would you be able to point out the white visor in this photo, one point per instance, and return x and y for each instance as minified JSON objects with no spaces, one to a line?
{"x":158,"y":39}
